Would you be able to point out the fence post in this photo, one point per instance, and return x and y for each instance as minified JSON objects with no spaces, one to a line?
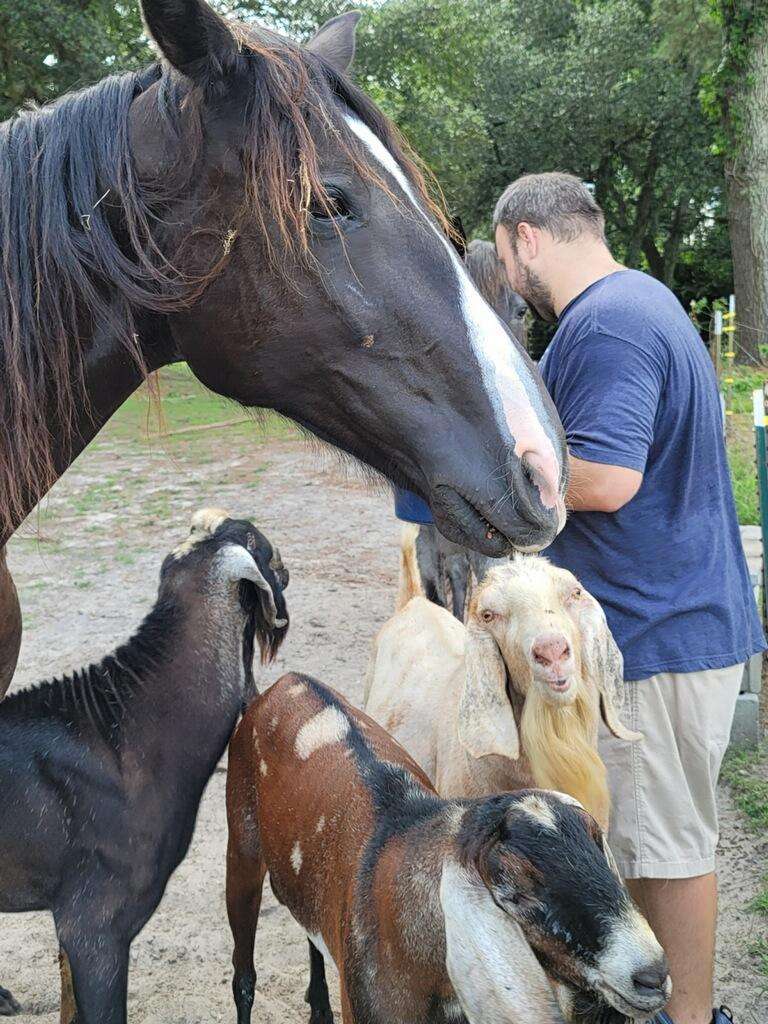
{"x":716,"y":343}
{"x":761,"y":454}
{"x":729,"y":353}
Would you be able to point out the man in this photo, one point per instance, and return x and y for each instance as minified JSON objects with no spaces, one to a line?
{"x":653,"y":535}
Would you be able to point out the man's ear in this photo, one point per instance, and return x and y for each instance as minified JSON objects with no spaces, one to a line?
{"x":190,"y":35}
{"x":335,"y":40}
{"x":527,"y":238}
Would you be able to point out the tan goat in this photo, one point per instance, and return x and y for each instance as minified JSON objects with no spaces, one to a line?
{"x":510,"y":700}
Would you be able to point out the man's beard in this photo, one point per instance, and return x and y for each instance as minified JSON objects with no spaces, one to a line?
{"x":536,"y":294}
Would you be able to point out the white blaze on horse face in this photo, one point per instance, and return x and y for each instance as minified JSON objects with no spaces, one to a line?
{"x":508,"y":380}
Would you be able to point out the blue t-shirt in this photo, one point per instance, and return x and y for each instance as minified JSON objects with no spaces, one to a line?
{"x":634,"y":386}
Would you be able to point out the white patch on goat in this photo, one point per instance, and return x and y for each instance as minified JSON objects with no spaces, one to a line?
{"x":631,"y":947}
{"x":540,"y":810}
{"x":320,"y":824}
{"x":297,"y":689}
{"x":508,"y":381}
{"x":273,"y":723}
{"x":296,"y":857}
{"x":493,"y":970}
{"x":263,"y":767}
{"x":566,"y":798}
{"x":452,"y":1010}
{"x":326,"y":727}
{"x":203,"y":523}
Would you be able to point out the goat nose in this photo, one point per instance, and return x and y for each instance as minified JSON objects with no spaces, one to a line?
{"x":550,"y":648}
{"x":651,"y":978}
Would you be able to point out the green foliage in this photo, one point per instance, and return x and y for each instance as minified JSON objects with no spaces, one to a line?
{"x":50,"y":46}
{"x":488,"y":89}
{"x":722,"y":89}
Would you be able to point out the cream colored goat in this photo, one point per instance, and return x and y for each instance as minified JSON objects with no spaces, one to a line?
{"x":510,"y":700}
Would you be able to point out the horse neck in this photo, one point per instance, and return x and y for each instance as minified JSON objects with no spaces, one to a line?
{"x":111,"y":376}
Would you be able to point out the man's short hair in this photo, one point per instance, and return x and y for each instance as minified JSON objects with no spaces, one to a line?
{"x":559,"y":203}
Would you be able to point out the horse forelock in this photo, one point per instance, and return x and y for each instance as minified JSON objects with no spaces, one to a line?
{"x":64,"y":275}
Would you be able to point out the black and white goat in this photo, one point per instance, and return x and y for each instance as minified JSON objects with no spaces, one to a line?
{"x":102,"y":772}
{"x":503,"y":910}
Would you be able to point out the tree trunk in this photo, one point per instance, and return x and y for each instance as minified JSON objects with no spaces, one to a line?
{"x":746,"y":175}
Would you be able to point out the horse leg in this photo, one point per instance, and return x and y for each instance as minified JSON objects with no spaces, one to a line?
{"x":245,"y":879}
{"x":68,"y":1013}
{"x":8,"y":1005}
{"x":98,"y":965}
{"x":10,"y":627}
{"x":317,"y":994}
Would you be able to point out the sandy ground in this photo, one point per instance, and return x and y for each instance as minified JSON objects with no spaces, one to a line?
{"x":85,"y":583}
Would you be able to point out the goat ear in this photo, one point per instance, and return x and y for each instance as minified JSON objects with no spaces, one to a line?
{"x":335,"y":40}
{"x":486,"y":723}
{"x":238,"y":564}
{"x":603,"y":665}
{"x":492,"y":968}
{"x":190,"y":35}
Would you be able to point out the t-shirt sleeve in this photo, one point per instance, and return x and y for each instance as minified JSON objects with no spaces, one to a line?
{"x":607,"y":392}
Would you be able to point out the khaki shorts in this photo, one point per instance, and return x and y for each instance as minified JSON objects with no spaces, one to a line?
{"x":663,"y":787}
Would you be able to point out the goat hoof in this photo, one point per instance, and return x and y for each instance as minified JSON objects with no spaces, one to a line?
{"x":321,"y":1017}
{"x":8,"y":1005}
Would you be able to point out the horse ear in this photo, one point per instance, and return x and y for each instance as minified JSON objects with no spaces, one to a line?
{"x":335,"y":40}
{"x":190,"y":35}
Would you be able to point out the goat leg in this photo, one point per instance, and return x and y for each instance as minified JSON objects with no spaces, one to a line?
{"x":317,"y":994}
{"x":245,"y":879}
{"x":8,"y":1005}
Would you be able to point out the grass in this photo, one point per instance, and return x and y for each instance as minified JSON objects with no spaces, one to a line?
{"x":741,"y":440}
{"x":742,"y":772}
{"x":746,"y":773}
{"x":184,"y":403}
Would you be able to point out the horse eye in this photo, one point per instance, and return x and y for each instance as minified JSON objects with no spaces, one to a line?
{"x":333,"y":207}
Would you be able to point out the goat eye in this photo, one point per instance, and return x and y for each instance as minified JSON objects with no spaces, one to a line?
{"x":488,"y":615}
{"x":576,"y":593}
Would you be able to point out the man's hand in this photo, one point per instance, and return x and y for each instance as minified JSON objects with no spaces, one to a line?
{"x":597,"y":487}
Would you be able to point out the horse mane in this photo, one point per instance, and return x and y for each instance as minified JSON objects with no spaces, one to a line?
{"x":487,"y":271}
{"x":79,"y":255}
{"x":99,"y":695}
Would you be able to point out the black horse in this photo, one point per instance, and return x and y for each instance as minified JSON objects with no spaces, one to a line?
{"x":243,"y":206}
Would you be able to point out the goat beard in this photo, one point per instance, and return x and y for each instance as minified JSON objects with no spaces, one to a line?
{"x":560,"y":743}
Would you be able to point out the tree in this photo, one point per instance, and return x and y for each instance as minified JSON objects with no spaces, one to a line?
{"x":50,"y":46}
{"x":738,"y":94}
{"x":489,"y":90}
{"x":485,"y":90}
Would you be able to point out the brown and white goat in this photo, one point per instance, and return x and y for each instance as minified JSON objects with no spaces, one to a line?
{"x":512,"y":699}
{"x":431,"y":909}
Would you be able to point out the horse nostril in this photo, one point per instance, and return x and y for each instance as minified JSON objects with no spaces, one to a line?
{"x":651,"y":978}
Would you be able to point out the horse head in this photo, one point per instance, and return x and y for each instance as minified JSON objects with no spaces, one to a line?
{"x":325,"y":285}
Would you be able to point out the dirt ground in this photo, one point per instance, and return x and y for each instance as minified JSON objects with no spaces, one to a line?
{"x":87,"y":573}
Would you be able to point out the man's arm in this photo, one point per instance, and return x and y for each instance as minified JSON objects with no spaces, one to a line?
{"x":598,"y":487}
